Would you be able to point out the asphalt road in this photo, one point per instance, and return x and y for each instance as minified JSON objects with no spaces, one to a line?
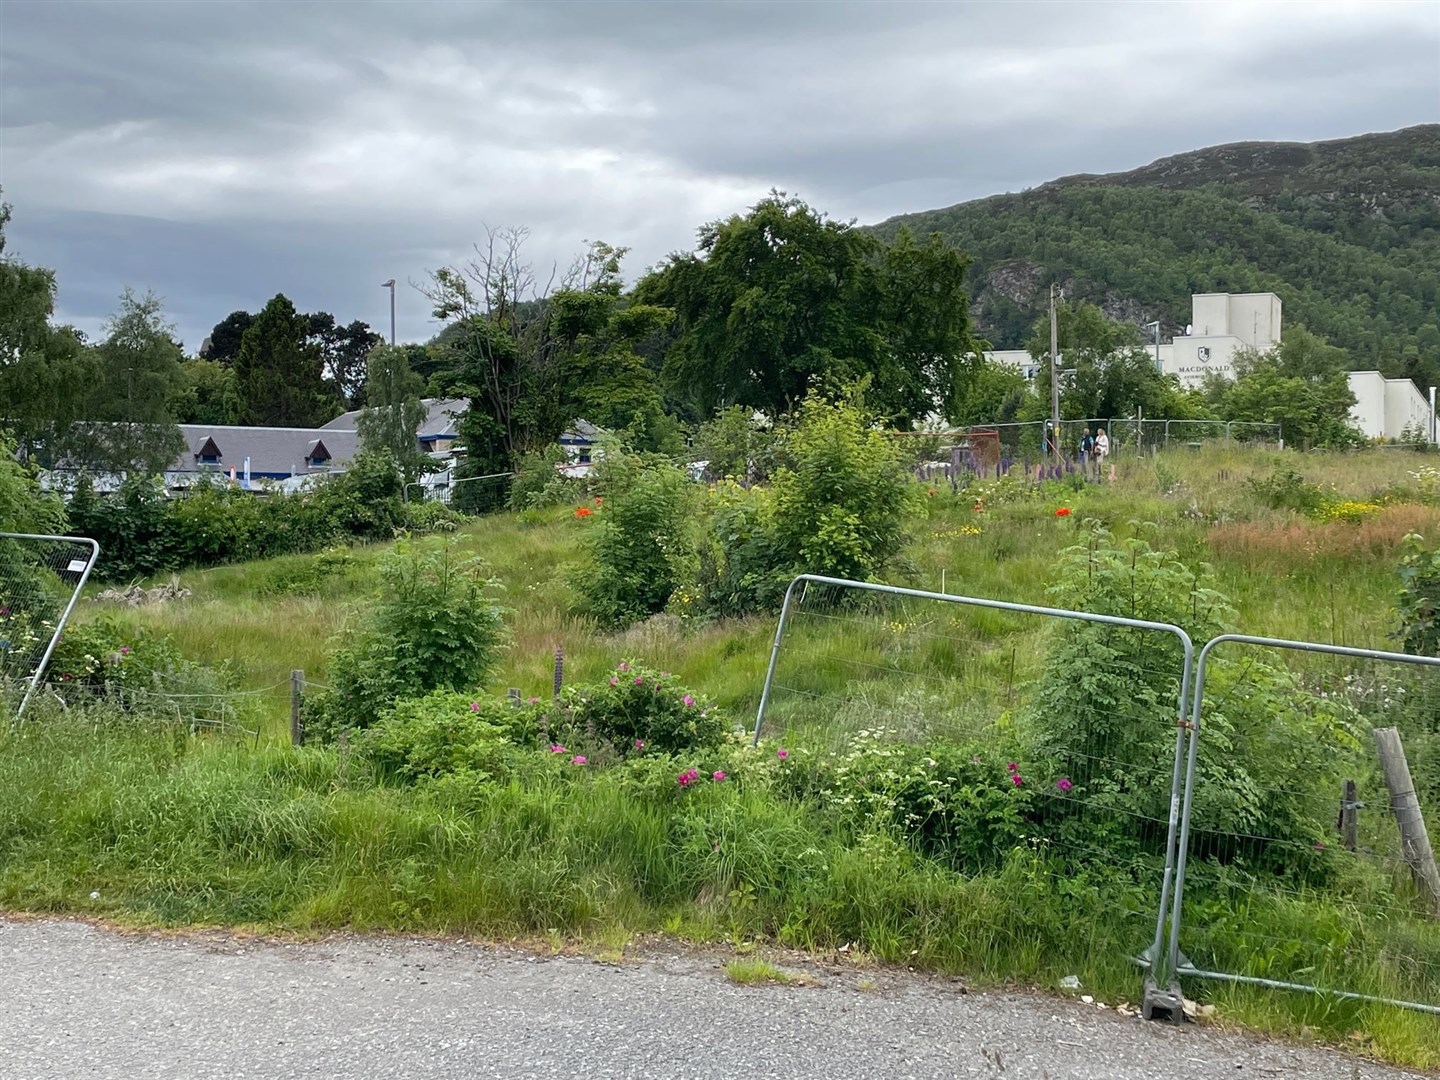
{"x":77,"y":1002}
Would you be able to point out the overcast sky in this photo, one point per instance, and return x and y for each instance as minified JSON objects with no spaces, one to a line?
{"x":219,"y":153}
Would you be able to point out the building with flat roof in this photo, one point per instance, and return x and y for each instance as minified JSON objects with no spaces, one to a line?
{"x":1221,"y":324}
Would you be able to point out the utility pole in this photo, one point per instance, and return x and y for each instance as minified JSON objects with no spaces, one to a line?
{"x":1054,"y":380}
{"x":391,"y":286}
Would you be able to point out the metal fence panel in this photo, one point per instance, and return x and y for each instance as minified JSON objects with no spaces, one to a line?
{"x":1291,"y":871}
{"x":854,"y":661}
{"x":40,"y":579}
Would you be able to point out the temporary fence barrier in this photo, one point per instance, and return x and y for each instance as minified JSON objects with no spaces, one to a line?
{"x":445,"y":492}
{"x":992,"y":450}
{"x":865,"y":661}
{"x":40,"y":579}
{"x":1314,"y":871}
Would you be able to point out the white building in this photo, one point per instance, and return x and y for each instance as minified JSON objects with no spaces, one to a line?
{"x":1224,"y":323}
{"x":1388,"y":408}
{"x":1221,"y":324}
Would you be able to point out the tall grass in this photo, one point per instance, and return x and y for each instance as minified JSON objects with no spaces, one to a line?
{"x":175,"y":830}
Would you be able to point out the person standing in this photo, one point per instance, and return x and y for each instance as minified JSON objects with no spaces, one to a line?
{"x":1087,"y":448}
{"x":1102,"y":451}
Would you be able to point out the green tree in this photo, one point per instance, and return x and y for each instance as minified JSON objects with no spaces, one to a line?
{"x":131,"y":428}
{"x":45,"y":371}
{"x":988,"y":393}
{"x":783,"y":299}
{"x":390,"y":422}
{"x":279,"y":371}
{"x":602,"y":378}
{"x":344,"y":355}
{"x":1300,"y":385}
{"x":205,"y":394}
{"x":222,"y":345}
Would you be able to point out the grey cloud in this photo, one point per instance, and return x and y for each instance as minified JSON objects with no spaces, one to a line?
{"x":221,"y":152}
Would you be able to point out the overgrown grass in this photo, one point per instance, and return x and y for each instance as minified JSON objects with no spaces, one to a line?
{"x":176,"y":830}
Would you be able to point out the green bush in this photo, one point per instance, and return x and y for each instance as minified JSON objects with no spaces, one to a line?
{"x":637,"y":708}
{"x":132,"y":527}
{"x":959,"y":804}
{"x":433,"y":626}
{"x":740,"y":570}
{"x":1103,"y":716}
{"x":641,"y":545}
{"x":438,"y":734}
{"x":538,"y":484}
{"x":1286,"y":489}
{"x":1419,"y":599}
{"x":840,"y":501}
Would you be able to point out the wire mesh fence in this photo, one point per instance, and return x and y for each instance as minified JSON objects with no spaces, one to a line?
{"x":964,"y":721}
{"x":242,"y":713}
{"x":1301,"y":866}
{"x":40,"y":580}
{"x":467,"y":494}
{"x":987,"y":451}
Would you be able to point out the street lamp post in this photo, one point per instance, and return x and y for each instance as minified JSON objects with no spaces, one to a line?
{"x":1156,"y":325}
{"x":391,"y":286}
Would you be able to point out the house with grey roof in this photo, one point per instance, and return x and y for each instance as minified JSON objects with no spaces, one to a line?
{"x":261,"y":453}
{"x":437,"y":432}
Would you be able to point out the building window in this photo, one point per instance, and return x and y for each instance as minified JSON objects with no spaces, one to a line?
{"x":209,"y":459}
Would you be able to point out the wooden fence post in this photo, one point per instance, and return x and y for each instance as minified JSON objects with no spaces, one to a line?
{"x":1349,"y":820}
{"x":297,"y":692}
{"x":1414,"y":839}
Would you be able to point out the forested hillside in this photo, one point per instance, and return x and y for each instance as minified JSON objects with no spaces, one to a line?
{"x":1347,"y":233}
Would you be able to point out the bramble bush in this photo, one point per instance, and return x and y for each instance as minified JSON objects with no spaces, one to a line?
{"x":433,"y":626}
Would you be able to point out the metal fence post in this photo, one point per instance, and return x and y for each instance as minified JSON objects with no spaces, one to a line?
{"x":1161,"y":996}
{"x":88,"y":564}
{"x":1177,"y":961}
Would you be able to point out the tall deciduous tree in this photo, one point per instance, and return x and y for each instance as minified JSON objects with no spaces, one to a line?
{"x":783,"y":299}
{"x":138,"y":367}
{"x":279,"y":371}
{"x":393,"y":416}
{"x":344,"y":354}
{"x":45,"y":371}
{"x":1301,"y":385}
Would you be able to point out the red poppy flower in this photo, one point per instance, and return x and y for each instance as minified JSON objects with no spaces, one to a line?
{"x":1064,"y":511}
{"x":583,"y":511}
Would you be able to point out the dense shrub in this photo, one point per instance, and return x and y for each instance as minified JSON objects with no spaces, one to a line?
{"x":1103,"y":714}
{"x":740,"y":569}
{"x":1419,"y":599}
{"x":433,"y":626}
{"x":143,"y":532}
{"x":637,"y":708}
{"x":840,"y":499}
{"x":538,"y":483}
{"x":1286,"y":489}
{"x":440,"y":733}
{"x":960,"y":804}
{"x":641,"y":545}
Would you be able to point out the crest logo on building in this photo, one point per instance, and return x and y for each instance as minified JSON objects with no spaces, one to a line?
{"x":1202,"y":353}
